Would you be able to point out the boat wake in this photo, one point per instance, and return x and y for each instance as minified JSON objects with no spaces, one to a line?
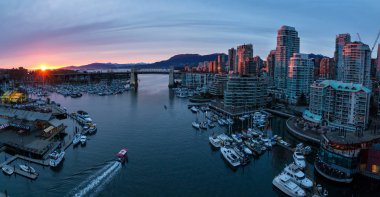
{"x":95,"y":183}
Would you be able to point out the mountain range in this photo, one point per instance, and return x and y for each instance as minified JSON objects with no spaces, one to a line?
{"x":178,"y":61}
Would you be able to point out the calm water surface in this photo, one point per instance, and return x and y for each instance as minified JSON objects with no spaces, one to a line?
{"x":167,"y":157}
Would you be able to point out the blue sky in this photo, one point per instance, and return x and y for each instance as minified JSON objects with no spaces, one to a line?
{"x":76,"y":32}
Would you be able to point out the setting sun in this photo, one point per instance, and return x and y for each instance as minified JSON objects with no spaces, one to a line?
{"x":43,"y":67}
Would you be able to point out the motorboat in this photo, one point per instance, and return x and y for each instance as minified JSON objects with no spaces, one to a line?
{"x":230,"y":156}
{"x":215,"y":141}
{"x":306,"y":150}
{"x":284,"y":143}
{"x":299,"y":159}
{"x":92,"y":129}
{"x":83,"y":116}
{"x":211,"y":124}
{"x":230,"y":121}
{"x":284,"y":183}
{"x":122,"y":155}
{"x":298,"y":176}
{"x":83,"y":139}
{"x":237,"y":138}
{"x":194,"y":109}
{"x":203,"y":125}
{"x":195,"y":125}
{"x":56,"y":157}
{"x":247,"y":150}
{"x":8,"y":170}
{"x":220,"y":122}
{"x":226,"y":140}
{"x":27,"y":168}
{"x":76,"y":139}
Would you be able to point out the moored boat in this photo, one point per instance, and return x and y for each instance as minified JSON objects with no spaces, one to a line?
{"x":297,"y":176}
{"x":76,"y":139}
{"x":299,"y":159}
{"x":8,"y":170}
{"x":195,"y":125}
{"x":230,"y":156}
{"x":284,"y":183}
{"x":27,"y":168}
{"x":215,"y":141}
{"x":56,"y":157}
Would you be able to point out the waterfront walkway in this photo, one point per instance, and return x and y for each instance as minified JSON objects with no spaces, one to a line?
{"x":303,"y":133}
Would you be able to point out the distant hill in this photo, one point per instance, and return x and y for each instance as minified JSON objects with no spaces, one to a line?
{"x":177,"y":61}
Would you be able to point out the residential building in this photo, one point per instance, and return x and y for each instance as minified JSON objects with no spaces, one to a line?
{"x":357,"y":64}
{"x":300,"y":77}
{"x":231,"y":62}
{"x":340,"y":41}
{"x":288,"y":43}
{"x":339,"y":105}
{"x":218,"y":85}
{"x":327,"y":68}
{"x":245,"y":92}
{"x":221,"y":63}
{"x":270,"y":65}
{"x":244,"y":52}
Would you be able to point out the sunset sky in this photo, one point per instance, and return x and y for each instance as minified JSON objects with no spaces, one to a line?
{"x":63,"y":33}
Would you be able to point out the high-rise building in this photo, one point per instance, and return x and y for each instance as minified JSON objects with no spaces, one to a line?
{"x":288,"y":43}
{"x":339,"y":105}
{"x":221,"y":63}
{"x":300,"y":77}
{"x":243,"y":53}
{"x":231,"y":62}
{"x":357,"y":64}
{"x":218,"y":85}
{"x":378,"y":62}
{"x":245,"y":92}
{"x":270,"y":66}
{"x":327,"y":68}
{"x":340,"y":41}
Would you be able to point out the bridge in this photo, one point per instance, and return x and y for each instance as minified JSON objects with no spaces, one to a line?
{"x":103,"y":74}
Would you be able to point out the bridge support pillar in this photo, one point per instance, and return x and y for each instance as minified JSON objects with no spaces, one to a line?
{"x":171,"y":77}
{"x":134,"y":80}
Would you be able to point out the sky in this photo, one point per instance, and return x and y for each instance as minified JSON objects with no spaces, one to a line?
{"x":60,"y":33}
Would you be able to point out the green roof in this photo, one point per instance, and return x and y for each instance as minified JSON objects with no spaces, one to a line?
{"x":348,"y":87}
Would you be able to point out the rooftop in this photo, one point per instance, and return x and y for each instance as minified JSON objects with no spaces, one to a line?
{"x":348,"y":87}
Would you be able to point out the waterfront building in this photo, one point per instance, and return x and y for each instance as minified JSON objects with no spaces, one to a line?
{"x":340,"y":41}
{"x":231,"y":63}
{"x":339,"y":105}
{"x":270,"y":66}
{"x":378,"y":62}
{"x":327,"y":68}
{"x":341,"y":156}
{"x":194,"y":80}
{"x":218,"y":85}
{"x":300,"y":77}
{"x":14,"y":96}
{"x":357,"y":64}
{"x":288,"y":43}
{"x":245,"y":92}
{"x":243,"y":54}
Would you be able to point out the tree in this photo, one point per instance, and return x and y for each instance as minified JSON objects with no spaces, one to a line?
{"x":301,"y":100}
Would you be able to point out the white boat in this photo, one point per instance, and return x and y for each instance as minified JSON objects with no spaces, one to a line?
{"x":215,"y":141}
{"x":27,"y":168}
{"x":225,"y":139}
{"x":298,"y":176}
{"x":195,"y":125}
{"x":92,"y":129}
{"x":284,"y":183}
{"x":84,"y":117}
{"x":230,"y":121}
{"x":56,"y":157}
{"x":247,"y":150}
{"x":231,"y":157}
{"x":76,"y":139}
{"x":194,"y":109}
{"x":299,"y":159}
{"x":83,"y":139}
{"x":8,"y":169}
{"x":237,"y":138}
{"x":220,"y":122}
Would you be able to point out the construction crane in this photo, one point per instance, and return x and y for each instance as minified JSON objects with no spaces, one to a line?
{"x":360,"y":39}
{"x":374,"y":44}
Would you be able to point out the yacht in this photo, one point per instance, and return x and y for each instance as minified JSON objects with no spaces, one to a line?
{"x":247,"y":150}
{"x":299,"y":159}
{"x":195,"y":125}
{"x":8,"y":169}
{"x":298,"y":176}
{"x":237,"y":138}
{"x":27,"y":168}
{"x":203,"y":125}
{"x":92,"y":129}
{"x":76,"y":139}
{"x":82,"y":115}
{"x":230,"y":156}
{"x":215,"y":141}
{"x":56,"y":157}
{"x":284,"y":183}
{"x":194,"y":109}
{"x":83,"y":139}
{"x":225,"y":139}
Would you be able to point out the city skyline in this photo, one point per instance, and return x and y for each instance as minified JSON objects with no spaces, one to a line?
{"x":58,"y":33}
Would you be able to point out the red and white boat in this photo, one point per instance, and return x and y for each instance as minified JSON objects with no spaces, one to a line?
{"x":122,"y":155}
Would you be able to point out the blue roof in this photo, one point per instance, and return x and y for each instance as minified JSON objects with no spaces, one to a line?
{"x":348,"y":87}
{"x":311,"y":117}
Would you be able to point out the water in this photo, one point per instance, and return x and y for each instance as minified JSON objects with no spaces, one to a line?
{"x":167,"y":157}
